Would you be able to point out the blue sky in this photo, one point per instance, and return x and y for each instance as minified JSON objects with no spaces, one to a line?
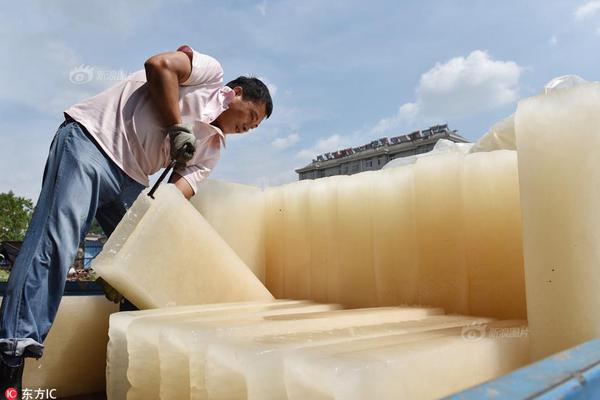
{"x":342,"y":73}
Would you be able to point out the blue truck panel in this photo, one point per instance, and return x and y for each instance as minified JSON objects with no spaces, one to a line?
{"x":571,"y":374}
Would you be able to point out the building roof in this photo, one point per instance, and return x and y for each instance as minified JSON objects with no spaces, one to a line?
{"x":384,"y":145}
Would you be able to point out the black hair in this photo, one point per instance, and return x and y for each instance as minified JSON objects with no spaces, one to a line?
{"x":254,"y":90}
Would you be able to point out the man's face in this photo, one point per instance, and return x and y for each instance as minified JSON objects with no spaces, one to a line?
{"x":241,"y":116}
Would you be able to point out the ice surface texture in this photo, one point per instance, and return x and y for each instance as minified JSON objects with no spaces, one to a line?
{"x":558,"y":137}
{"x":281,"y":350}
{"x":445,"y":231}
{"x":164,"y":253}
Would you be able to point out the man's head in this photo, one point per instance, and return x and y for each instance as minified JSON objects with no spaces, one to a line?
{"x":252,"y":103}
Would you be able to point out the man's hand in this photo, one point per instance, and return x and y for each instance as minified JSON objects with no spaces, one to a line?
{"x":110,"y":292}
{"x":183,"y":143}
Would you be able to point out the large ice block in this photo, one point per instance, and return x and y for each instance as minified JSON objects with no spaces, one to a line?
{"x":406,"y":366}
{"x":355,"y":277}
{"x":252,"y":367}
{"x":143,"y":371}
{"x":76,"y":343}
{"x":193,"y":340}
{"x":296,"y":233}
{"x":558,"y":137}
{"x":274,"y":241}
{"x":494,"y":257}
{"x":323,"y":238}
{"x":164,"y":253}
{"x":443,"y":276}
{"x":237,"y":214}
{"x":395,"y":256}
{"x":117,"y":360}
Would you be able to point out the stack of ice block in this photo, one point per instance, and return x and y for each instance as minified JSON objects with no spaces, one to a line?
{"x":445,"y":231}
{"x":292,"y":349}
{"x":427,"y":365}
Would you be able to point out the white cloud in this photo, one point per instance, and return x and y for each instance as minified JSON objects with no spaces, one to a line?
{"x":587,"y":9}
{"x":325,"y":145}
{"x":282,"y":143}
{"x":406,"y":113}
{"x":262,"y":8}
{"x":553,"y":41}
{"x":458,"y":87}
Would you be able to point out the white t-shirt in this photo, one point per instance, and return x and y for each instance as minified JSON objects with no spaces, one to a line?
{"x":123,"y":121}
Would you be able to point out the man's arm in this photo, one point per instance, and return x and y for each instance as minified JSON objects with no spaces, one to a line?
{"x":182,"y":185}
{"x":164,"y":73}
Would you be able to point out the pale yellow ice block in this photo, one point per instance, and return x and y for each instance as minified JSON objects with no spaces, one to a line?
{"x":274,"y":240}
{"x":395,"y":258}
{"x":493,"y":239}
{"x":76,"y":343}
{"x":117,"y":359}
{"x":405,"y":367}
{"x":237,"y":214}
{"x":189,"y":339}
{"x":558,"y":137}
{"x":443,"y":276}
{"x":171,"y":366}
{"x":143,"y":372}
{"x":501,"y":136}
{"x":355,"y":279}
{"x":164,"y":253}
{"x":323,"y":237}
{"x":195,"y":341}
{"x":296,"y":240}
{"x":252,"y":367}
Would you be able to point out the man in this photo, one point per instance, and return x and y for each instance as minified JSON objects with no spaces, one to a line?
{"x":100,"y":160}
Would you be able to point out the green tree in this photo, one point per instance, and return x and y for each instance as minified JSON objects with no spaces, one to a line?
{"x":15,"y":214}
{"x":95,"y":228}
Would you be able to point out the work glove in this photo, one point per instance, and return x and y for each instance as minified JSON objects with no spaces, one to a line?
{"x":183,"y":143}
{"x":110,"y":292}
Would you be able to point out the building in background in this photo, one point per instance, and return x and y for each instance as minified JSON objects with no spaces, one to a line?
{"x":376,"y":154}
